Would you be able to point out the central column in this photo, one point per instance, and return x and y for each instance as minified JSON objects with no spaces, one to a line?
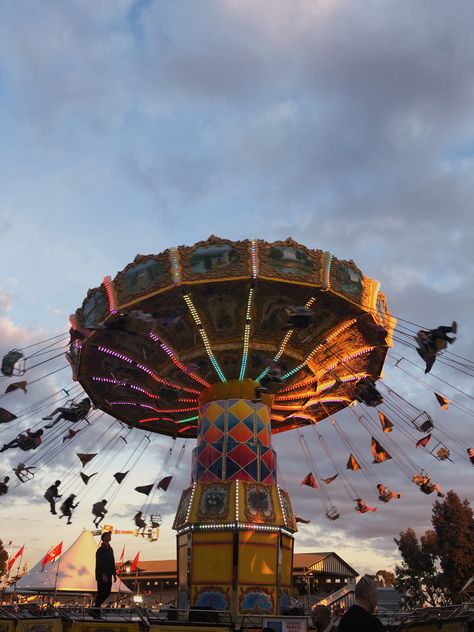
{"x":235,"y":525}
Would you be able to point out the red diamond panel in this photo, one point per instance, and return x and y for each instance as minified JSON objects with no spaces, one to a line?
{"x":242,"y":455}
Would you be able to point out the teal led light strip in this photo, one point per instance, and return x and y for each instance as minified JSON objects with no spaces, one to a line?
{"x":205,"y":339}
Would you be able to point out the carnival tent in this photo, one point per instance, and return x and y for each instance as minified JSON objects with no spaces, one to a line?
{"x":73,"y":572}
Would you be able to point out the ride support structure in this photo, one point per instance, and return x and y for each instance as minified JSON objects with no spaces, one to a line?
{"x":235,"y":524}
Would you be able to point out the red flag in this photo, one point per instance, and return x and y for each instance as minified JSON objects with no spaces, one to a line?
{"x":442,"y":401}
{"x":387,"y":425}
{"x":310,"y":481}
{"x":352,"y":463}
{"x":134,"y":564}
{"x":424,"y":441}
{"x":52,"y":554}
{"x":14,"y":558}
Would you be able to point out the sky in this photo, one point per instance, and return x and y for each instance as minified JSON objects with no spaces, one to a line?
{"x":131,"y":126}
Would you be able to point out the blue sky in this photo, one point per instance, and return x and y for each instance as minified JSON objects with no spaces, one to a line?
{"x":128,"y":127}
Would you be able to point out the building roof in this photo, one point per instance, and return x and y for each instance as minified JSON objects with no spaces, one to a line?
{"x":302,"y":562}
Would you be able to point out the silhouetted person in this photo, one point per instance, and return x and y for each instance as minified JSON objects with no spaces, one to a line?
{"x":432,"y":341}
{"x":28,"y":440}
{"x":99,"y":511}
{"x":359,"y":617}
{"x":321,"y":616}
{"x":104,"y":569}
{"x":4,"y":486}
{"x":139,"y":521}
{"x":68,"y":507}
{"x":73,"y":413}
{"x":52,"y":495}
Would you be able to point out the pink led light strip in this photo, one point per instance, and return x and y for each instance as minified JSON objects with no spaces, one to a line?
{"x":110,"y":294}
{"x":145,"y":369}
{"x":171,"y":354}
{"x":154,"y":409}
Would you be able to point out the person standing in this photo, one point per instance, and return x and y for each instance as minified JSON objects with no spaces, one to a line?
{"x":359,"y":616}
{"x":104,"y":569}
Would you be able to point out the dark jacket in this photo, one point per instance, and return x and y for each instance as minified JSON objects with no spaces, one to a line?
{"x":104,"y":562}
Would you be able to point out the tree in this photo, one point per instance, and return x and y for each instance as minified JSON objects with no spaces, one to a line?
{"x":418,"y":577}
{"x":3,"y":559}
{"x":453,"y":522}
{"x":384,"y":578}
{"x":435,"y":568}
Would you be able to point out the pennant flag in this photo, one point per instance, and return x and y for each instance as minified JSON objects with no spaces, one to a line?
{"x":387,"y":425}
{"x":52,"y":554}
{"x":6,"y":416}
{"x":164,"y":483}
{"x":87,"y":477}
{"x":330,"y":479}
{"x":134,"y":564}
{"x":85,"y":458}
{"x":442,"y":401}
{"x":144,"y":489}
{"x":72,"y":433}
{"x":119,"y":476}
{"x":302,"y":520}
{"x":14,"y":558}
{"x":310,"y":481}
{"x":378,"y":452}
{"x":352,"y":463}
{"x":16,"y":385}
{"x":421,"y":443}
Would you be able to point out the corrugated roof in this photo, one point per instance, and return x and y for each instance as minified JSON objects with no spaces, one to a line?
{"x":301,"y":561}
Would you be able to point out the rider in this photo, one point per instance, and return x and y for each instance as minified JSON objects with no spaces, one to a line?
{"x":52,"y":495}
{"x":75,"y":412}
{"x":99,"y":511}
{"x":67,"y":507}
{"x":28,"y":440}
{"x":432,"y":341}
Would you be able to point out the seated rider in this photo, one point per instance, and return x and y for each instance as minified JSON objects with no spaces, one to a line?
{"x":27,"y":440}
{"x":432,"y":341}
{"x":426,"y":485}
{"x":442,"y":454}
{"x":362,"y":506}
{"x":52,"y":495}
{"x":99,"y":511}
{"x":4,"y":486}
{"x":470,"y":453}
{"x":386,"y":494}
{"x":139,"y":521}
{"x":67,"y":507}
{"x":73,"y":413}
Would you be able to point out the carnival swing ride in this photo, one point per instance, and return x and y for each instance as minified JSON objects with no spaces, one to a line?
{"x":231,"y":343}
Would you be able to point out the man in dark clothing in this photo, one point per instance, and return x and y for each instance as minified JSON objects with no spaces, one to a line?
{"x":52,"y":495}
{"x":104,"y":569}
{"x":359,"y":617}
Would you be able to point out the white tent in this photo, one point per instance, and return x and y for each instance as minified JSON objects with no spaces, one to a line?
{"x":76,"y":571}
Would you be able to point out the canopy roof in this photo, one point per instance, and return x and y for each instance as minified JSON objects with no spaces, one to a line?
{"x":76,"y":571}
{"x":146,"y":344}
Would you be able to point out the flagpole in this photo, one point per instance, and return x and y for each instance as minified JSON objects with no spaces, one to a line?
{"x":17,"y":571}
{"x":56,"y":579}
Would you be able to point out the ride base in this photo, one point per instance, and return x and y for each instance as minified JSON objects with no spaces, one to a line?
{"x":234,"y":524}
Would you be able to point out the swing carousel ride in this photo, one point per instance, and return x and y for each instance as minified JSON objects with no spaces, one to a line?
{"x":230,"y":343}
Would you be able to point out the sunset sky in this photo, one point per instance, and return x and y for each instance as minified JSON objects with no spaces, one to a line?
{"x":131,"y":126}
